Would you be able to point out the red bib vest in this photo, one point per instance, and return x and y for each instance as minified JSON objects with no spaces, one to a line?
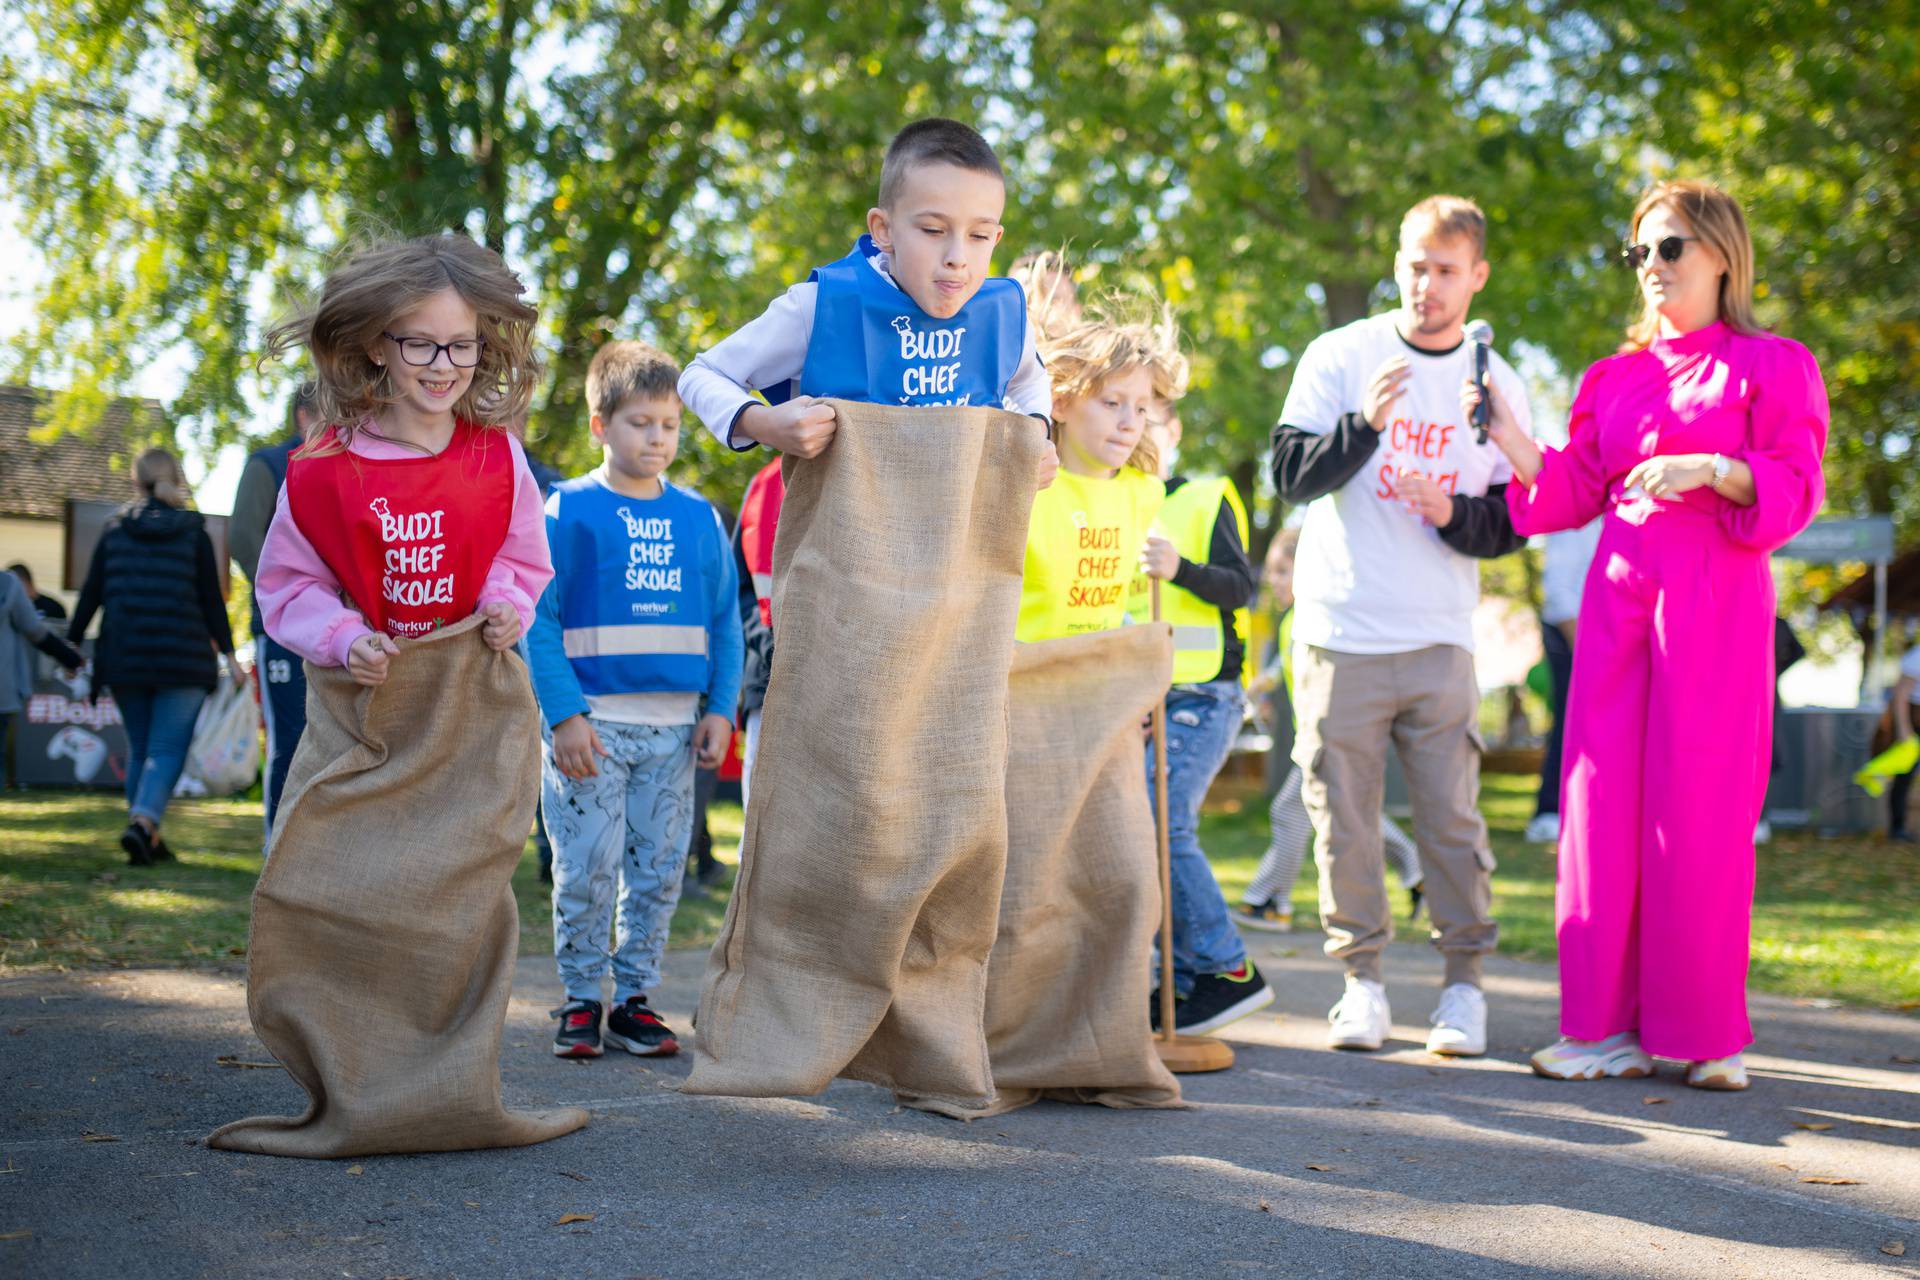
{"x":411,"y":539}
{"x":759,"y":519}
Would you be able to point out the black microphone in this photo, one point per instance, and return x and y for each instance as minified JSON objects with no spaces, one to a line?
{"x":1480,"y":334}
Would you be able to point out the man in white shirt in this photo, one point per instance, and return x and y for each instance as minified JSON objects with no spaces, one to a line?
{"x":1403,"y":500}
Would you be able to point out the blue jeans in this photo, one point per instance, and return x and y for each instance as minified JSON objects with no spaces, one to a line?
{"x":619,"y":836}
{"x":159,"y":722}
{"x":1202,"y":720}
{"x":283,"y":706}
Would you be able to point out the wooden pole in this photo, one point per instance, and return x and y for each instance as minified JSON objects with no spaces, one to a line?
{"x":1178,"y":1053}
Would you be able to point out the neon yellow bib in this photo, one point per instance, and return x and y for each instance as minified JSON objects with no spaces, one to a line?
{"x":1083,"y":549}
{"x":1186,"y":520}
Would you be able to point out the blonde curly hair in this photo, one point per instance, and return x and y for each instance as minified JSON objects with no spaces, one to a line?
{"x":1117,"y":333}
{"x":379,"y":280}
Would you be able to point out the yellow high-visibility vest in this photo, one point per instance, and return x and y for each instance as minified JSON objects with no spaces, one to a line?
{"x":1083,"y":549}
{"x":1186,"y":520}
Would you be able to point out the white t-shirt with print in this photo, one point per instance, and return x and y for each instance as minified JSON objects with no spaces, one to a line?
{"x":1370,"y":575}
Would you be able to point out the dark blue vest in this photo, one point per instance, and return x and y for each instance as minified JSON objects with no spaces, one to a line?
{"x":872,"y":343}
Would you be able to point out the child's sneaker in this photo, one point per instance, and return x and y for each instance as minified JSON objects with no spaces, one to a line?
{"x":1269,"y":916}
{"x":637,"y":1029}
{"x":579,"y":1034}
{"x":1220,"y":998}
{"x":1617,"y":1055}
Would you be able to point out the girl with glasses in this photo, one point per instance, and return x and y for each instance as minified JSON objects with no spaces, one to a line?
{"x":1700,"y":443}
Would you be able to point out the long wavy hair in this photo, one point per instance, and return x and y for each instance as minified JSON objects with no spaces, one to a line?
{"x":1715,"y":217}
{"x":1119,"y":332}
{"x":379,"y":280}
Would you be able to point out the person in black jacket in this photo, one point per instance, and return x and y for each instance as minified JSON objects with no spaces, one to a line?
{"x":154,"y":582}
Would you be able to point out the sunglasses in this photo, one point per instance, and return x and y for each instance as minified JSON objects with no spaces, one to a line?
{"x":1670,"y":247}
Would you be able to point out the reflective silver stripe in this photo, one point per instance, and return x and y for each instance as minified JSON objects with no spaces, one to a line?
{"x":1203,"y":639}
{"x":763,"y":586}
{"x":645,"y":708}
{"x":612,"y":642}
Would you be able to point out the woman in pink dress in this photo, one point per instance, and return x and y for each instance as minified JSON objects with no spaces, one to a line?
{"x":1700,"y":442}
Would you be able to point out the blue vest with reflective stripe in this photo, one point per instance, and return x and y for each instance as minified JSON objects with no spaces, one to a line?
{"x":872,"y":343}
{"x":633,"y":599}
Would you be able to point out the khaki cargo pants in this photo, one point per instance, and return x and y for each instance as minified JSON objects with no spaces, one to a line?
{"x":1350,"y":707}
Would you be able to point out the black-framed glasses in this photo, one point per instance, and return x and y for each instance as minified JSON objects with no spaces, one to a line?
{"x":464,"y":353}
{"x":1670,"y":247}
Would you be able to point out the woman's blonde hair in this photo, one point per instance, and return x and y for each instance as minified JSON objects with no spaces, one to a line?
{"x":1118,"y":333}
{"x":157,"y":475}
{"x":381,"y":280}
{"x":1715,"y":217}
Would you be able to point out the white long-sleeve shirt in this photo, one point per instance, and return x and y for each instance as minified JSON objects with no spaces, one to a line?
{"x":772,"y":349}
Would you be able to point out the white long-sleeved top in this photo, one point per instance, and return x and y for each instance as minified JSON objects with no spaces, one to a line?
{"x":772,"y":349}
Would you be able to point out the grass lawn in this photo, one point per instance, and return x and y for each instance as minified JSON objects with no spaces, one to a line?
{"x":1837,"y":919}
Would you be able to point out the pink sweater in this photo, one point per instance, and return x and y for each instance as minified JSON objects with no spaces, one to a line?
{"x":300,"y":597}
{"x":1755,"y":397}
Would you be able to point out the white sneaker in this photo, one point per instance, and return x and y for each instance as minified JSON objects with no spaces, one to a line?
{"x":1460,"y":1022}
{"x":1728,"y":1073}
{"x":1617,"y":1055}
{"x":1544,"y":829}
{"x":1361,"y":1019}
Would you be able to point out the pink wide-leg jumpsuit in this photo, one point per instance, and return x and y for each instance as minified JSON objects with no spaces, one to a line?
{"x":1669,"y":718}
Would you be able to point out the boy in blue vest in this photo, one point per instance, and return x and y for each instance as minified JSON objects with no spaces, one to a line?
{"x":909,"y":317}
{"x":636,"y":654}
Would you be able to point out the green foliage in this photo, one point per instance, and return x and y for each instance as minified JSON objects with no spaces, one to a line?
{"x":663,"y":169}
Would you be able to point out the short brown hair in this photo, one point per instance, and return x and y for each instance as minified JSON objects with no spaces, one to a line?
{"x":1448,"y":218}
{"x":934,"y":141}
{"x":624,"y":370}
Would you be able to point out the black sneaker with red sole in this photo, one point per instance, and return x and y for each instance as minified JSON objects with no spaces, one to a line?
{"x":579,"y":1034}
{"x":635,"y":1027}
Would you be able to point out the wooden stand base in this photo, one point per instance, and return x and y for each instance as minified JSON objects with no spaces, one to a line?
{"x":1192,"y":1055}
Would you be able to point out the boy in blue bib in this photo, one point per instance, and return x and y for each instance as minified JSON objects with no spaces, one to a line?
{"x":909,"y":317}
{"x":636,"y":654}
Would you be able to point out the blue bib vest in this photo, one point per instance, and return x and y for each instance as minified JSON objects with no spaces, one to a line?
{"x":873,"y":344}
{"x":633,"y":605}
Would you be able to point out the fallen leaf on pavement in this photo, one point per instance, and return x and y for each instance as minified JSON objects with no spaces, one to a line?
{"x":1906,"y":1060}
{"x":356,"y":1169}
{"x":565,"y":1218}
{"x":1654,"y":1100}
{"x":1266,"y":1206}
{"x":17,"y":1235}
{"x":1321,"y":1168}
{"x":233,"y":1060}
{"x":98,"y":1137}
{"x":577,"y":1177}
{"x":1825,"y":1180}
{"x":472,"y":1204}
{"x":1812,"y":1128}
{"x":1894,"y":1248}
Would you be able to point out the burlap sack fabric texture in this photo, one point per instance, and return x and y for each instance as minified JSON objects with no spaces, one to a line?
{"x":384,"y":925}
{"x":856,"y":941}
{"x":1070,"y":978}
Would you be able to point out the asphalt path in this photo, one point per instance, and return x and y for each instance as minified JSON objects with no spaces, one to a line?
{"x":1297,"y":1162}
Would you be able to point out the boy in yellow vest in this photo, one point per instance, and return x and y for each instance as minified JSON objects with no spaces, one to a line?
{"x":1198,"y":549}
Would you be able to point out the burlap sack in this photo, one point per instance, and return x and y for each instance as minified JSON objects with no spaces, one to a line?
{"x":856,"y":941}
{"x":1071,"y":975}
{"x":384,"y":927}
